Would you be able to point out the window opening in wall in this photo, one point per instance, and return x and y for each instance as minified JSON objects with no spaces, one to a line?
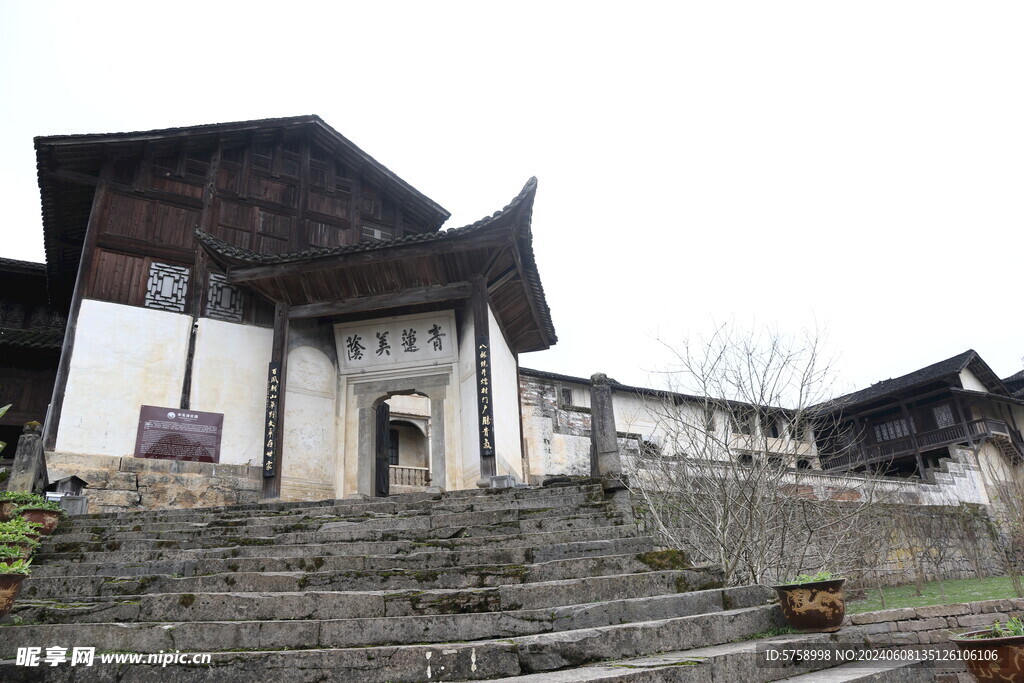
{"x":565,"y":397}
{"x":770,"y":426}
{"x":393,"y":446}
{"x":894,"y":429}
{"x":943,"y":416}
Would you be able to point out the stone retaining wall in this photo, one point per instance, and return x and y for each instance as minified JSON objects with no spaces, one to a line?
{"x":117,"y":484}
{"x":931,"y":626}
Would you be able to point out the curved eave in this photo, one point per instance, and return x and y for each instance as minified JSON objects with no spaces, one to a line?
{"x":413,"y":262}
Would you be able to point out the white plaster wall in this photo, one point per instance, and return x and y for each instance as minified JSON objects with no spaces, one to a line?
{"x":229,"y":376}
{"x":505,"y":403}
{"x":470,"y":466}
{"x":969,"y":381}
{"x":124,"y":357}
{"x":309,"y":426}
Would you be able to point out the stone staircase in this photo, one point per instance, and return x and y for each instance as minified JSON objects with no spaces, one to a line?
{"x":527,"y":584}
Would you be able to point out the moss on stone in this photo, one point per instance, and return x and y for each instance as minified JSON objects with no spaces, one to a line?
{"x":661,"y":560}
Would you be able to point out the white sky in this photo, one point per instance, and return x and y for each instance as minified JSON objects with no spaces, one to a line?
{"x":860,"y":165}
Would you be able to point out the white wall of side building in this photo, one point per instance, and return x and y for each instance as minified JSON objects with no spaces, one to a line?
{"x":229,"y":376}
{"x":124,"y":357}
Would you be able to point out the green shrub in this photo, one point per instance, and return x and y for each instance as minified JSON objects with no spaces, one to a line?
{"x":814,"y":578}
{"x":21,"y":497}
{"x":16,"y":567}
{"x":45,"y":505}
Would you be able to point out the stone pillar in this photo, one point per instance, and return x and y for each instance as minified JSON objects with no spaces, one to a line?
{"x":604,"y":444}
{"x":29,"y":471}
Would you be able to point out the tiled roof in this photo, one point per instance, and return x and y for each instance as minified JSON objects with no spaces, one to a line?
{"x":931,"y":373}
{"x":11,"y":263}
{"x":43,"y":339}
{"x":241,"y":254}
{"x":225,"y":253}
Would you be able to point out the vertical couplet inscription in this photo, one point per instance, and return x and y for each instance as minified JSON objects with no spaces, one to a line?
{"x":483,"y":393}
{"x":270,"y":437}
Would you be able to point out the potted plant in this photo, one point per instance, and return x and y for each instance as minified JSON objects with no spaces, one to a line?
{"x":11,"y":576}
{"x":20,"y":534}
{"x":46,"y":514}
{"x":12,"y":499}
{"x":813,"y":603}
{"x":995,"y":653}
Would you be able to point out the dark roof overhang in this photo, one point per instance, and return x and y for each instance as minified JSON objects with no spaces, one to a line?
{"x":498,"y":248}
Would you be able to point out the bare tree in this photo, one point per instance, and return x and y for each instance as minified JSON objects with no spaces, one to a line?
{"x":733,"y":478}
{"x":1005,"y":483}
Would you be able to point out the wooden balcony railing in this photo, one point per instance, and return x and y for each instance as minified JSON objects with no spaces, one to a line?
{"x":975,"y":430}
{"x":401,"y":475}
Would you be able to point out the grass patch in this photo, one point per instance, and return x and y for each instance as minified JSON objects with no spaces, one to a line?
{"x":957,"y":591}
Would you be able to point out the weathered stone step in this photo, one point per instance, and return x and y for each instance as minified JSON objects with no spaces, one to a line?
{"x":547,"y":548}
{"x":507,"y":517}
{"x":874,"y":672}
{"x":486,"y":576}
{"x":277,"y":633}
{"x":387,"y":505}
{"x":735,"y":661}
{"x":186,"y":607}
{"x":542,"y":571}
{"x":446,"y":661}
{"x":550,"y":505}
{"x":389,"y":528}
{"x":337,"y":543}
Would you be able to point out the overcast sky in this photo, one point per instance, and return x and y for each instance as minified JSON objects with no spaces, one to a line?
{"x":858,"y":166}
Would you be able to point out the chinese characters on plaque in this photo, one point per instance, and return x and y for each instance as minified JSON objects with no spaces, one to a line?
{"x":270,"y":433}
{"x":408,"y":340}
{"x":483,"y":394}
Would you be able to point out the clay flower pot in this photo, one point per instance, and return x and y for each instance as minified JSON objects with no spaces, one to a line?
{"x":992,"y":658}
{"x":10,"y":584}
{"x":47,"y":518}
{"x":815,"y":607}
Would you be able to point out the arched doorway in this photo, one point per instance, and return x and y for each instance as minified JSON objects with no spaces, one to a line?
{"x":409,"y":443}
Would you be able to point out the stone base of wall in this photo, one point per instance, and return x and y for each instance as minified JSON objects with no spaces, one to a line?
{"x":118,"y":484}
{"x":932,"y":626}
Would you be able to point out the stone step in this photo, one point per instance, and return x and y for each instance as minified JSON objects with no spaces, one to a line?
{"x":548,"y":506}
{"x":374,"y":542}
{"x":522,"y":557}
{"x":484,"y":576}
{"x":552,"y":518}
{"x":182,"y":607}
{"x":735,"y":661}
{"x":406,"y":528}
{"x":476,"y":660}
{"x":874,"y":672}
{"x":387,"y":505}
{"x":277,"y":632}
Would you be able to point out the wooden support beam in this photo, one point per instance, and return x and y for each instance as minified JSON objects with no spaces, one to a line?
{"x":73,"y":177}
{"x":363,"y":304}
{"x":60,"y":384}
{"x":509,"y":273}
{"x":200,"y":268}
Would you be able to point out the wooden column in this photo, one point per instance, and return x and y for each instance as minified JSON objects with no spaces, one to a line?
{"x":964,"y":421}
{"x":81,"y":279}
{"x":273,"y":452}
{"x":913,"y":439}
{"x":484,"y":398}
{"x":200,"y":271}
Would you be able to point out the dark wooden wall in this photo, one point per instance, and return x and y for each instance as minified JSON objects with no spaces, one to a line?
{"x":275,"y":194}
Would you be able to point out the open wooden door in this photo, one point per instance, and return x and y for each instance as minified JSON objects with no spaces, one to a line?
{"x":382,"y":473}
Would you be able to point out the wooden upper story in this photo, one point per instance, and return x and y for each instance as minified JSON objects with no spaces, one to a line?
{"x":271,"y":187}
